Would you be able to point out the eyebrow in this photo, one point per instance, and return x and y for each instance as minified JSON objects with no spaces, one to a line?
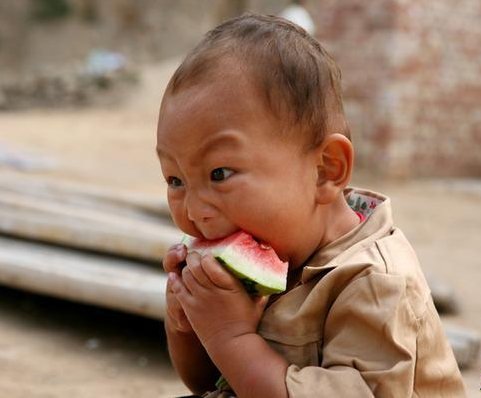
{"x":162,"y":154}
{"x":221,"y":139}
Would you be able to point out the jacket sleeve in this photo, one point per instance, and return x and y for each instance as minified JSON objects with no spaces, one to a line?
{"x":368,"y":347}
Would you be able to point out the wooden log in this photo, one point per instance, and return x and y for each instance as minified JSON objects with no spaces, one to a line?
{"x":465,"y":343}
{"x":145,"y":238}
{"x":84,"y":195}
{"x":443,"y":294}
{"x":92,"y":279}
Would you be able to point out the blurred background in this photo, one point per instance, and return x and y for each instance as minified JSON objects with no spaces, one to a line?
{"x":83,"y":219}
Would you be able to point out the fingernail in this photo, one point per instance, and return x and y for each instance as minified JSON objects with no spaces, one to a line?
{"x":171,"y":276}
{"x":207,"y":255}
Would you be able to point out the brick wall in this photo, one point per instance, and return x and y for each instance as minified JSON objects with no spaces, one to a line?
{"x":411,"y":68}
{"x":412,"y":79}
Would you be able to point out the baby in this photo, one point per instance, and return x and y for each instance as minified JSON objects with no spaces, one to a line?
{"x":252,"y":136}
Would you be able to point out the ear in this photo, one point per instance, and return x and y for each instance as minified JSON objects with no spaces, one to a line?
{"x":335,"y":158}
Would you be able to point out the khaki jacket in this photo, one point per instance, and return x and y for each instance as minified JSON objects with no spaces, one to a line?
{"x":359,"y":321}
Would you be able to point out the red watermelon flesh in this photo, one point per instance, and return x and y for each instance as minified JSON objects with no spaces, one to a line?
{"x":256,"y":264}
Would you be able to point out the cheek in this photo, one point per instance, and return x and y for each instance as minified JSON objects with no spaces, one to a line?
{"x":255,"y":210}
{"x":179,"y":216}
{"x":279,"y":216}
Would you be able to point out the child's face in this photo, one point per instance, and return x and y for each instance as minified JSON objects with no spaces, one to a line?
{"x":229,"y":168}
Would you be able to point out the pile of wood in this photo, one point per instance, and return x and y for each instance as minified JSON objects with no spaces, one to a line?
{"x":84,"y":243}
{"x":104,"y":247}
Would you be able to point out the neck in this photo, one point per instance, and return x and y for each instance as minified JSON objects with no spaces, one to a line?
{"x":339,"y":220}
{"x":330,"y":222}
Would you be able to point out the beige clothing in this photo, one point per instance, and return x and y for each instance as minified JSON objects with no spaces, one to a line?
{"x":360,"y":322}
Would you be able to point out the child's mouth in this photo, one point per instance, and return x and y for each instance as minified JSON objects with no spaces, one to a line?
{"x":215,"y":234}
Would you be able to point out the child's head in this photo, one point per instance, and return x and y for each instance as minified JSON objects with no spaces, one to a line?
{"x":290,"y":72}
{"x":252,"y":136}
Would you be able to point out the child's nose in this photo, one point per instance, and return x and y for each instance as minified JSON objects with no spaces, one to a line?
{"x":198,"y":208}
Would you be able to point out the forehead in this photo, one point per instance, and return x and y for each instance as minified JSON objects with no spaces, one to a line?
{"x":192,"y":115}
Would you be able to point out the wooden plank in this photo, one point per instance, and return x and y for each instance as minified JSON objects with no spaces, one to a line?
{"x":466,"y":345}
{"x":92,"y":279}
{"x":443,"y":294}
{"x":145,"y":238}
{"x":84,"y":195}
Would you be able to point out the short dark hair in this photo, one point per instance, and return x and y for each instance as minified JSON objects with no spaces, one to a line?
{"x":297,"y":77}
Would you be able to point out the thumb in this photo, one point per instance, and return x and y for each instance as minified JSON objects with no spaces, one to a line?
{"x":260,"y":303}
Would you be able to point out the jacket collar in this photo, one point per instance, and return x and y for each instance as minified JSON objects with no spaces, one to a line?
{"x":378,"y":223}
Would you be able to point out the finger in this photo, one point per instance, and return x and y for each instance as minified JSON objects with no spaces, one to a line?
{"x":170,"y":261}
{"x":194,"y":266}
{"x":176,"y":316}
{"x":260,"y":303}
{"x":180,"y":320}
{"x":190,"y":282}
{"x":175,"y":313}
{"x":174,"y":257}
{"x":217,"y":274}
{"x":184,"y":324}
{"x":178,"y":288}
{"x":172,"y":278}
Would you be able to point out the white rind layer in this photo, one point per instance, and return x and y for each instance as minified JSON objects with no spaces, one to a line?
{"x":244,"y":265}
{"x":241,"y":264}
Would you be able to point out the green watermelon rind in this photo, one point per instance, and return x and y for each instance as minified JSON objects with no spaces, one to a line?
{"x":253,"y":284}
{"x":257,"y":281}
{"x":265,"y":282}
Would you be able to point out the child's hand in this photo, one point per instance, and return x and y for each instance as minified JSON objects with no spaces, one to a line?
{"x":172,"y":262}
{"x":215,"y":302}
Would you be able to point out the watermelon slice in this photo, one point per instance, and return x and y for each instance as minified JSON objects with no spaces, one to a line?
{"x":255,"y":264}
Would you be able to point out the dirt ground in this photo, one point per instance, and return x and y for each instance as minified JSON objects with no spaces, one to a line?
{"x":50,"y":348}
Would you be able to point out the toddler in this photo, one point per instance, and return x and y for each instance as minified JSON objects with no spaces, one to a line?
{"x":252,"y":136}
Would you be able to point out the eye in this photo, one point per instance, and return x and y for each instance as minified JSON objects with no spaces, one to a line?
{"x":220,"y":174}
{"x":174,"y":182}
